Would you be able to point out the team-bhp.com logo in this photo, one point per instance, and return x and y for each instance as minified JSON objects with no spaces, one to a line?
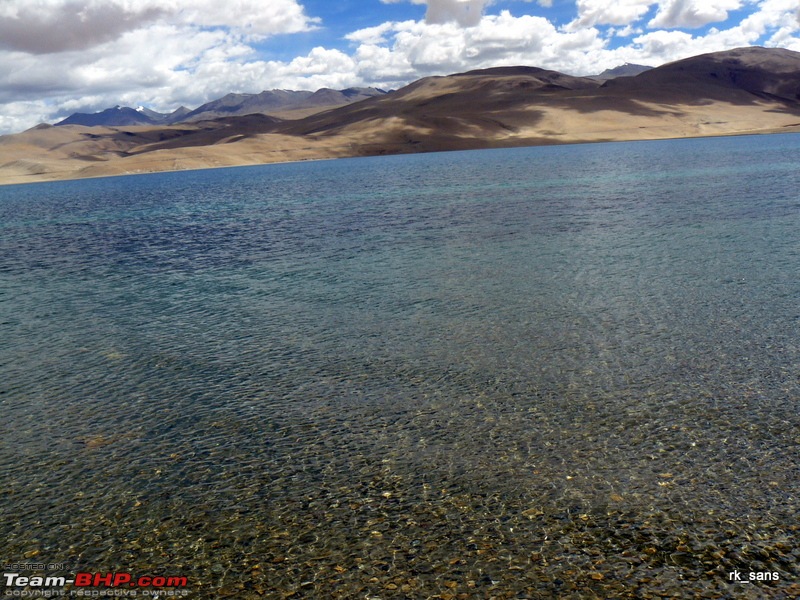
{"x":110,"y":583}
{"x":115,"y":580}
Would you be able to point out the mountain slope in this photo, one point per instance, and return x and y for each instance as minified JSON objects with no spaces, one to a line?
{"x":483,"y":101}
{"x":746,"y":74}
{"x":735,"y":91}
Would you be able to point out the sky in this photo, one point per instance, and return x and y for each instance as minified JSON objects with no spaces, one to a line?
{"x":58,"y":57}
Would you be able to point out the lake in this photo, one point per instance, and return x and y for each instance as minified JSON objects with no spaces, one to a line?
{"x":567,"y":372}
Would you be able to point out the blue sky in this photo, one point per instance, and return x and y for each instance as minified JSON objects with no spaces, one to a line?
{"x":64,"y":56}
{"x":341,"y":18}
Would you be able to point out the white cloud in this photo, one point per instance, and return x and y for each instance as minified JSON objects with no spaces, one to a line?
{"x":466,"y":13}
{"x":692,"y":13}
{"x":383,"y":66}
{"x":773,"y":18}
{"x":371,"y":35}
{"x":664,"y":45}
{"x":50,"y":26}
{"x":46,"y":26}
{"x":436,"y":49}
{"x":255,"y":18}
{"x":601,"y":12}
{"x":16,"y":116}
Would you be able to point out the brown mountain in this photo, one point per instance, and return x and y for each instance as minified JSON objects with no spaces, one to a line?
{"x":273,"y":102}
{"x":738,"y":91}
{"x":748,"y":90}
{"x":277,"y":101}
{"x":744,"y":74}
{"x":626,"y":70}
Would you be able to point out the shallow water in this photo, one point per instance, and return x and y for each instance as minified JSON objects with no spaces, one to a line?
{"x":530,"y":373}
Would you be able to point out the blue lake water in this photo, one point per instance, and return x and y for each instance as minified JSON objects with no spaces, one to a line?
{"x":547,"y":372}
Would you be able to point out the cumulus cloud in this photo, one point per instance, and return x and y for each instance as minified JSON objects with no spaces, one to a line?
{"x":371,"y":35}
{"x":421,"y":48}
{"x":692,"y":13}
{"x":255,"y":18}
{"x":601,"y":12}
{"x":42,"y":27}
{"x":52,"y":26}
{"x":466,"y":13}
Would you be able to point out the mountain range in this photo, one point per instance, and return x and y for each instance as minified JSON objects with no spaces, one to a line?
{"x":230,"y":105}
{"x":741,"y":91}
{"x":282,"y":102}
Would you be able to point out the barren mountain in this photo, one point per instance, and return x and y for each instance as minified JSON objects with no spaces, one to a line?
{"x":117,"y":116}
{"x":744,"y":75}
{"x":626,"y":70}
{"x":727,"y":92}
{"x":268,"y":103}
{"x":123,"y":116}
{"x":748,"y":90}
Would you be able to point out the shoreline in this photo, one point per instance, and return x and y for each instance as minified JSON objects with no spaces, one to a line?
{"x":384,"y":150}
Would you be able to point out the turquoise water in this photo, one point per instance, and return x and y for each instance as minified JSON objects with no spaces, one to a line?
{"x":530,"y":373}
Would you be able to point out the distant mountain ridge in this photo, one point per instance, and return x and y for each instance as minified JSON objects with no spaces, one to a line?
{"x":277,"y":100}
{"x":626,"y":70}
{"x":230,"y":105}
{"x":269,"y":101}
{"x":122,"y":116}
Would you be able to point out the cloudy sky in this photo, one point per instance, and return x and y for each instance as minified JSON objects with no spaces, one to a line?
{"x":62,"y":56}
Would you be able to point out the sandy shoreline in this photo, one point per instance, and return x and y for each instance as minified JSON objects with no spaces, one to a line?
{"x":214,"y":157}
